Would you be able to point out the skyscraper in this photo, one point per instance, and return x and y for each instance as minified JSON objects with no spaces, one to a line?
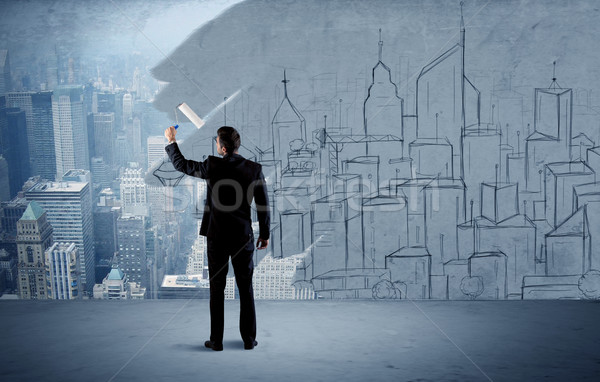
{"x":101,"y":172}
{"x":122,"y":152}
{"x":104,"y":134}
{"x":4,"y":182}
{"x":127,"y":108}
{"x":136,"y":139}
{"x":133,"y":190}
{"x":5,"y":79}
{"x":40,"y":130}
{"x":156,"y":149}
{"x":69,"y":208}
{"x":109,"y":102}
{"x":15,"y":148}
{"x":131,"y":243}
{"x":105,"y":231}
{"x":70,"y":129}
{"x":34,"y":236}
{"x":43,"y":156}
{"x":62,"y":263}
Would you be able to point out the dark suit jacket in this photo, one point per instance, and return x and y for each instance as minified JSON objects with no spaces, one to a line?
{"x":232,"y":183}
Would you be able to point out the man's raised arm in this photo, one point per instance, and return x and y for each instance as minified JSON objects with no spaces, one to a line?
{"x":186,"y":166}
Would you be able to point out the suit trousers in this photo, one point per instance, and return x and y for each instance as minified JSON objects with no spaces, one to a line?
{"x":219,"y":252}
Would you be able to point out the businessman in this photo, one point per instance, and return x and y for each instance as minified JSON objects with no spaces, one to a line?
{"x":232,"y":183}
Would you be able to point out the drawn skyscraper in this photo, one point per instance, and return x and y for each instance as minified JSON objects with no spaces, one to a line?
{"x":383,"y":112}
{"x":551,"y":140}
{"x":383,"y":108}
{"x":287,"y":125}
{"x":447,"y":101}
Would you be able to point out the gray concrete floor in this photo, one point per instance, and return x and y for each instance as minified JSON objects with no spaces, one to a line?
{"x":162,"y":340}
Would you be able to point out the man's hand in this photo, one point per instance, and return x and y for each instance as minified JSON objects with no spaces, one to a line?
{"x":170,"y":134}
{"x":262,"y":243}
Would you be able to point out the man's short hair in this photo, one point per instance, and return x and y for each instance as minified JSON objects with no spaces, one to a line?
{"x":229,"y":138}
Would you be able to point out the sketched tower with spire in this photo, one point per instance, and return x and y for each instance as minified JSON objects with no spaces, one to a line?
{"x":551,"y":138}
{"x":383,"y":108}
{"x":447,"y":101}
{"x":288,"y":124}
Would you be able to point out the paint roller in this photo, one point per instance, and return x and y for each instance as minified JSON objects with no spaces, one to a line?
{"x":189,"y":113}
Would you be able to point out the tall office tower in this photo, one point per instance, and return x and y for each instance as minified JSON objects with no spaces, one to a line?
{"x":104,"y":134}
{"x":40,"y":130}
{"x":136,"y":139}
{"x":62,"y":264}
{"x":133,"y":190}
{"x":157,"y":203}
{"x":131,"y":244}
{"x":70,"y":129}
{"x":91,"y":140}
{"x":72,"y":72}
{"x":137,"y":83}
{"x":122,"y":151}
{"x":127,"y":108}
{"x":14,"y":148}
{"x":69,"y":208}
{"x":4,"y":182}
{"x":105,"y":231}
{"x":4,"y":172}
{"x":5,"y":78}
{"x":109,"y":102}
{"x":101,"y":172}
{"x":24,"y":101}
{"x":44,"y":154}
{"x":52,"y":71}
{"x":156,"y":149}
{"x":34,"y":236}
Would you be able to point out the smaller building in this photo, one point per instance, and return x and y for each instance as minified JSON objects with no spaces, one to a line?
{"x":62,"y":278}
{"x":116,"y":286}
{"x":34,"y":237}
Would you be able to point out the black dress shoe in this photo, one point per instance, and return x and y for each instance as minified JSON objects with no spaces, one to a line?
{"x":213,"y":345}
{"x":250,"y":345}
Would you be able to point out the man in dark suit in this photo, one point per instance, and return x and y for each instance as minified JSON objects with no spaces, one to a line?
{"x":232,"y":183}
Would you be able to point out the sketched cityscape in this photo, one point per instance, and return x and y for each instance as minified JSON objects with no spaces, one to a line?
{"x":435,"y":204}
